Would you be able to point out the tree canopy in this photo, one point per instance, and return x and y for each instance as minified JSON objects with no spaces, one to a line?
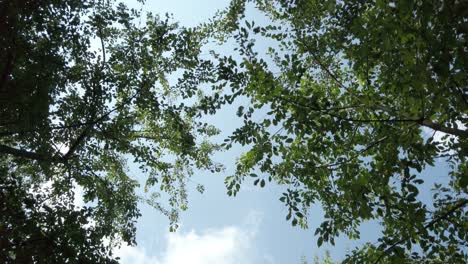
{"x":83,"y":90}
{"x":354,"y":92}
{"x":350,"y":97}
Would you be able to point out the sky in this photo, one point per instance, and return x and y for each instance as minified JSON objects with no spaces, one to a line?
{"x":248,"y":228}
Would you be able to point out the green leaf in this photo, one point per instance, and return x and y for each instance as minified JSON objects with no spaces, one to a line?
{"x":319,"y":241}
{"x":256,"y":181}
{"x":294,"y":222}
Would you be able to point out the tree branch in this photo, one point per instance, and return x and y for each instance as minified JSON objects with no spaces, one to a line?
{"x":84,"y":133}
{"x":101,"y":36}
{"x":28,"y":154}
{"x":79,"y":124}
{"x":431,"y":223}
{"x":452,"y":131}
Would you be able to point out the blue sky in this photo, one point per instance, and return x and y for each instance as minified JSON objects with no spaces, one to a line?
{"x":248,"y":228}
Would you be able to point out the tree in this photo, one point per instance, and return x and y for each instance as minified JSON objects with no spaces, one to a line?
{"x":83,"y":89}
{"x":328,"y":260}
{"x":347,"y":92}
{"x":350,"y":89}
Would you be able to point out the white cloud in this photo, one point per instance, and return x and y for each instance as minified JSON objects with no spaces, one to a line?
{"x":226,"y":245}
{"x":135,"y":255}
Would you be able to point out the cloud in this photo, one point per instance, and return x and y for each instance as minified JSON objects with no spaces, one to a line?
{"x":226,"y":245}
{"x":135,"y":255}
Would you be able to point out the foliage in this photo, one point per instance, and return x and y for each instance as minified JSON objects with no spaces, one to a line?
{"x":327,"y":259}
{"x":45,"y":232}
{"x":346,"y":95}
{"x":83,"y":89}
{"x":350,"y":90}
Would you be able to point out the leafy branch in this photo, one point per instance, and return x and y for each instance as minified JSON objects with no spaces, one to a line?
{"x":442,"y":217}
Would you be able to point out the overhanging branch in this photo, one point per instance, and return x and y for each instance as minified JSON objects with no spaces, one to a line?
{"x":449,"y":130}
{"x":444,"y":216}
{"x":28,"y":154}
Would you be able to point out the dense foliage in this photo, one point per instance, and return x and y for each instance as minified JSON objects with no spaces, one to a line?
{"x":344,"y":108}
{"x":347,"y":107}
{"x":83,"y":89}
